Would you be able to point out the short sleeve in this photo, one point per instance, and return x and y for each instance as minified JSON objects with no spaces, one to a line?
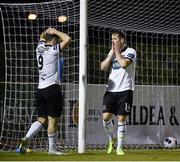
{"x":57,"y":48}
{"x":42,"y":42}
{"x":131,"y":54}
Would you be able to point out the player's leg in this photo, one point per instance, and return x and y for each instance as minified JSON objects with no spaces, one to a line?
{"x":33,"y":130}
{"x":55,"y":106}
{"x":120,"y":134}
{"x":124,"y":106}
{"x":42,"y":115}
{"x":107,"y":120}
{"x":53,"y":136}
{"x":108,"y":124}
{"x":37,"y":125}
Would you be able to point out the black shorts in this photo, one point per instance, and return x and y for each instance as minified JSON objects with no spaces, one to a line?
{"x":118,"y":103}
{"x":50,"y":101}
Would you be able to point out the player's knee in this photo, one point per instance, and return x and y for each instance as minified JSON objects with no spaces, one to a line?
{"x":52,"y":121}
{"x":107,"y":116}
{"x":42,"y":120}
{"x":122,"y":118}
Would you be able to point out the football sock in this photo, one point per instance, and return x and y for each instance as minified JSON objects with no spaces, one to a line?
{"x":33,"y":130}
{"x":120,"y":134}
{"x":109,"y":127}
{"x":52,"y":141}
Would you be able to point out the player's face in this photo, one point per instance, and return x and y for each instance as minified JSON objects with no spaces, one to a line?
{"x":116,"y":39}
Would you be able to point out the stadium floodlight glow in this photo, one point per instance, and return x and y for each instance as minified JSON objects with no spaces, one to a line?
{"x":62,"y":18}
{"x":32,"y":16}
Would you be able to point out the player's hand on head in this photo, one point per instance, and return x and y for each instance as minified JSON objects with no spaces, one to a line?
{"x":51,"y":31}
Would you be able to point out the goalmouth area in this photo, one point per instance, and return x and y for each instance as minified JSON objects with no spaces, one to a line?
{"x":151,"y":28}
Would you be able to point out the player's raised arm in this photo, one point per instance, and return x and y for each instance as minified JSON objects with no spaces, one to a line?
{"x":106,"y":63}
{"x":123,"y":61}
{"x":65,"y":39}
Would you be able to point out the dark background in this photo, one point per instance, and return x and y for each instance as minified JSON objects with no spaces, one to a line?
{"x":2,"y":59}
{"x":147,"y":22}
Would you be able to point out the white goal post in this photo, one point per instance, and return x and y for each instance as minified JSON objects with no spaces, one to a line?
{"x":82,"y":75}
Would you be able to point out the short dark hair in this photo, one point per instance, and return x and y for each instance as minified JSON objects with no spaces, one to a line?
{"x":120,"y":33}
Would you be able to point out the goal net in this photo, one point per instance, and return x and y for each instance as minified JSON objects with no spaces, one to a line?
{"x":151,"y":31}
{"x":21,"y":37}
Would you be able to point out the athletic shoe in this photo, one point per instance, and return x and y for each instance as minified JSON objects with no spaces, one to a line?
{"x":22,"y":147}
{"x":55,"y":152}
{"x":119,"y":152}
{"x":110,"y":145}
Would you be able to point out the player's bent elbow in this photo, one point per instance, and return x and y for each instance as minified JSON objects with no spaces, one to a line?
{"x":65,"y":43}
{"x":68,"y":41}
{"x":124,"y":65}
{"x":103,"y":68}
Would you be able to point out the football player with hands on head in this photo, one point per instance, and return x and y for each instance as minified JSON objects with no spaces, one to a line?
{"x":118,"y":97}
{"x":49,"y":95}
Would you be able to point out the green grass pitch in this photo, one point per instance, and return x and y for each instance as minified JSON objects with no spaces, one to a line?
{"x":96,"y":155}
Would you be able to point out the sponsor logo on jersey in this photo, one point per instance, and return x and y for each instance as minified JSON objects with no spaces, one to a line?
{"x":130,"y":55}
{"x":115,"y":65}
{"x":40,"y":49}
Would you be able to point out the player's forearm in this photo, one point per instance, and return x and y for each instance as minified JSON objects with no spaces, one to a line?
{"x":106,"y":63}
{"x":66,"y":39}
{"x":122,"y":62}
{"x":63,"y":36}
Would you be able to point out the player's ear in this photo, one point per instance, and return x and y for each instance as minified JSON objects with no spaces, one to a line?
{"x":122,"y":40}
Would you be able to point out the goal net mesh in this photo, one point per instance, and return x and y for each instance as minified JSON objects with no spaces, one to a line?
{"x":151,"y":27}
{"x":21,"y":76}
